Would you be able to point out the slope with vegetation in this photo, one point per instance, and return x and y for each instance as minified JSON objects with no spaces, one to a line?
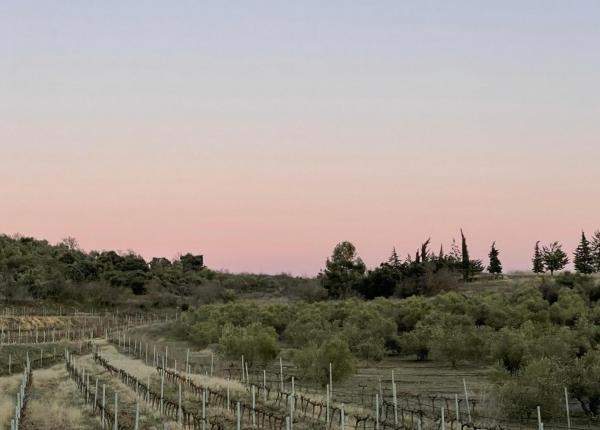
{"x":540,"y":337}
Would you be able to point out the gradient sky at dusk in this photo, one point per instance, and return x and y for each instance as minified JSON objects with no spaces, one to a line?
{"x":261,"y":133}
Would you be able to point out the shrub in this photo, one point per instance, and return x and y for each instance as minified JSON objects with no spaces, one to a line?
{"x":370,"y":350}
{"x":367,"y":332}
{"x":204,"y":333}
{"x":582,"y":376}
{"x":457,"y":343}
{"x":509,"y":347}
{"x":309,"y":324}
{"x":258,"y":344}
{"x":314,"y":359}
{"x":567,"y":308}
{"x":417,"y":341}
{"x":537,"y":384}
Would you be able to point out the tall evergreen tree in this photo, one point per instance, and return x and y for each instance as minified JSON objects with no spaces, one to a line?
{"x":394,"y":260}
{"x":554,"y":257}
{"x":495,"y":267}
{"x":425,"y":250}
{"x":538,"y":259}
{"x":466,"y":264}
{"x":595,"y":247}
{"x":584,"y":263}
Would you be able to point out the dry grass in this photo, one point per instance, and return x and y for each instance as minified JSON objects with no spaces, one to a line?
{"x":31,"y":322}
{"x":140,"y":370}
{"x":135,"y":367}
{"x":55,"y":402}
{"x":221,"y":384}
{"x":8,"y":392}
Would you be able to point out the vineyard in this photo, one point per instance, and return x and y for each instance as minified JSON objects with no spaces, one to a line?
{"x":108,"y":371}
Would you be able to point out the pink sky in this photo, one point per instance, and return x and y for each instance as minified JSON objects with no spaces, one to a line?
{"x":262,"y":138}
{"x":280,"y":208}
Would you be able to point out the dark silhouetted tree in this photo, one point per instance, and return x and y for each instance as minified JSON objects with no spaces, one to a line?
{"x":475,"y":266}
{"x":554,"y":257}
{"x":495,"y":267}
{"x":584,"y":263}
{"x":191,"y":263}
{"x":538,"y":259}
{"x":343,"y":272}
{"x":380,"y":282}
{"x":466,"y":263}
{"x":455,"y":256}
{"x":425,"y":251}
{"x":394,"y":260}
{"x":595,"y":249}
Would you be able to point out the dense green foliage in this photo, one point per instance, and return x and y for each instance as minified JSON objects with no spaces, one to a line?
{"x":31,"y":268}
{"x":36,"y":268}
{"x":549,"y":330}
{"x":425,"y":274}
{"x":256,"y":343}
{"x":313,"y":361}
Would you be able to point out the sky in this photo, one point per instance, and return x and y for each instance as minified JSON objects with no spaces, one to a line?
{"x":262,"y":133}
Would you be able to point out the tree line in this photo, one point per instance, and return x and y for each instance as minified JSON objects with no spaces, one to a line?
{"x":426,"y":272}
{"x":552,"y":257}
{"x":32,"y":268}
{"x":35,"y":268}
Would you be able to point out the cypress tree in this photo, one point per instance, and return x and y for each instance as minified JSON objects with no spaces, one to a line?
{"x":596,"y":251}
{"x":466,"y":264}
{"x":584,"y":262}
{"x":495,"y":267}
{"x":538,"y":261}
{"x":424,"y":250}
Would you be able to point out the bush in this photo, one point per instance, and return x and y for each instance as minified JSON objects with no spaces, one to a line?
{"x":370,"y":350}
{"x":308,"y":324}
{"x":417,"y":341}
{"x":314,"y":359}
{"x":204,"y":333}
{"x":455,"y":344}
{"x":367,"y":332}
{"x":509,"y":347}
{"x":567,"y":308}
{"x":537,"y":384}
{"x":258,"y":344}
{"x":583,"y":376}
